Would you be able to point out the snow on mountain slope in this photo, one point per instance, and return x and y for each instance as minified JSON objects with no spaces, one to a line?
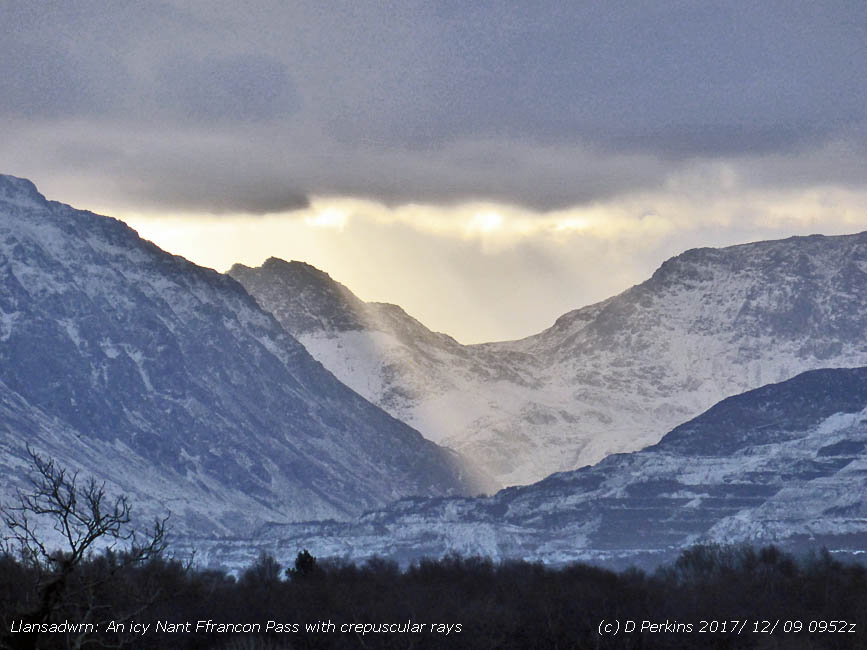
{"x":169,"y":381}
{"x":785,"y":463}
{"x":424,"y":378}
{"x":607,"y":378}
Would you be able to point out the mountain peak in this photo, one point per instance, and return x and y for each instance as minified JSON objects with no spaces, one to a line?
{"x":797,"y":255}
{"x":20,"y":191}
{"x":280,"y":263}
{"x":178,"y":366}
{"x":295,"y":267}
{"x":315,"y":299}
{"x":291,"y":271}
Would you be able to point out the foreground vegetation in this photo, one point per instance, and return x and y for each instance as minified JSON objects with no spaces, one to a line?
{"x":462,"y":602}
{"x":82,"y":591}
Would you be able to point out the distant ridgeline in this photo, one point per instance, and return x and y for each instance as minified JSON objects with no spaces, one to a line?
{"x":608,"y":378}
{"x":782,"y":464}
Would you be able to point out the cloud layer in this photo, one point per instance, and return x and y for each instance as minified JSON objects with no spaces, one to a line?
{"x":222,"y":108}
{"x":502,"y":162}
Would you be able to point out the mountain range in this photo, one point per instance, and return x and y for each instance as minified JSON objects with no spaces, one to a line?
{"x":782,"y":464}
{"x":168,"y":381}
{"x":722,"y":400}
{"x":608,"y":378}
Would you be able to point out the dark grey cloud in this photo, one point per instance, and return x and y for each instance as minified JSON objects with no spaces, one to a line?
{"x":220,"y":106}
{"x":49,"y":80}
{"x":672,"y":78}
{"x":151,"y":172}
{"x":213,"y":191}
{"x":235,"y":89}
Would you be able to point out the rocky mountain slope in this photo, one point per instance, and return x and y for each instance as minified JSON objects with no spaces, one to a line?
{"x":608,"y":378}
{"x":785,"y":464}
{"x":170,"y":382}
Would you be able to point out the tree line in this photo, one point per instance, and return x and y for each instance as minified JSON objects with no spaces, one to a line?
{"x":454,"y":601}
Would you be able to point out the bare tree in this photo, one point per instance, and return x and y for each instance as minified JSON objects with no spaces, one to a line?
{"x":86,"y":520}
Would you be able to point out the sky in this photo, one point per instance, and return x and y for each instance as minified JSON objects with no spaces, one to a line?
{"x":486,"y":165}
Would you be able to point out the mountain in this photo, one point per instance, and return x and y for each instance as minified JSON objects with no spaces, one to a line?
{"x":608,"y":378}
{"x":170,"y":382}
{"x":785,"y":464}
{"x":424,"y":378}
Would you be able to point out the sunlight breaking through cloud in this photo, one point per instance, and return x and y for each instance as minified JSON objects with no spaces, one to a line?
{"x":483,"y":271}
{"x":333,"y":218}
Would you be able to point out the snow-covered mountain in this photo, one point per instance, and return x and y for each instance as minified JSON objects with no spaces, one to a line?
{"x":424,"y":378}
{"x":785,"y":464}
{"x":608,"y":378}
{"x":170,"y":382}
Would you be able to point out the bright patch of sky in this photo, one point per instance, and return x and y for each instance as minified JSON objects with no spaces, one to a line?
{"x":494,"y":272}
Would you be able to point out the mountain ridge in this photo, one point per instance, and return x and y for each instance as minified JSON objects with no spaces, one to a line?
{"x":797,"y":483}
{"x":606,"y":378}
{"x":169,"y":381}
